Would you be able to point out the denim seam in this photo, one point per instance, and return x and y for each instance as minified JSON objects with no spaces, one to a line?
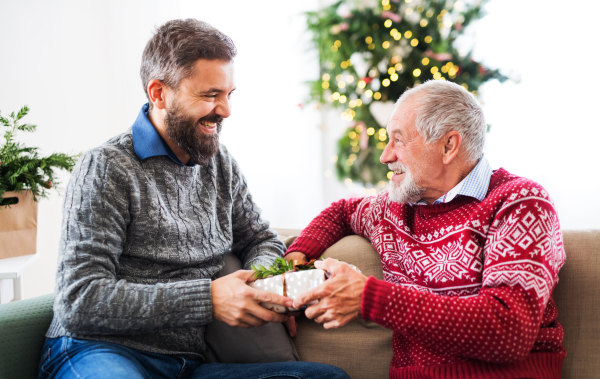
{"x":45,"y":360}
{"x":69,"y":358}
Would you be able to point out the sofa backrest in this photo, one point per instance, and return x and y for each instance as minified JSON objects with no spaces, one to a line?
{"x":577,"y":298}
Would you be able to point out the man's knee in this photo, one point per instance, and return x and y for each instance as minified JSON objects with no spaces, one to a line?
{"x":69,"y":358}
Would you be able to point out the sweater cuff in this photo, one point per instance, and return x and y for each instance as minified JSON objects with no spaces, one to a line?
{"x":378,"y":298}
{"x":310,"y":247}
{"x":193,"y":301}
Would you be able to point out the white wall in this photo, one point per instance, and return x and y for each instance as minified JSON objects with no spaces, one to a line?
{"x":75,"y":63}
{"x":546,"y":127}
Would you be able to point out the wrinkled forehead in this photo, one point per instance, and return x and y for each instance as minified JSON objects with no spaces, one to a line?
{"x":402,"y":120}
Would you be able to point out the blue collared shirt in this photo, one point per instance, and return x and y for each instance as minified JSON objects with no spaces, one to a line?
{"x":147,"y":142}
{"x":474,"y":185}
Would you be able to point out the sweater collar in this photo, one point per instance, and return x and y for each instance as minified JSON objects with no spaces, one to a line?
{"x":147,"y":142}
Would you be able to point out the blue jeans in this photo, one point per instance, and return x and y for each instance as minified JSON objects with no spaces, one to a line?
{"x":67,"y":357}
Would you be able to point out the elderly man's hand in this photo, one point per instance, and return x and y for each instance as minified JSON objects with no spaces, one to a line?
{"x":236,"y":303}
{"x":296,"y":256}
{"x":339,"y":297}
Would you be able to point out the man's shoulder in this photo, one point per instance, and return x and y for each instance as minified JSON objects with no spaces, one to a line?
{"x":119,"y":147}
{"x":114,"y":157}
{"x":507,"y":187}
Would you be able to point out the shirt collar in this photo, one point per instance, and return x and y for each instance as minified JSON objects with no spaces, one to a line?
{"x":147,"y":142}
{"x":474,"y":185}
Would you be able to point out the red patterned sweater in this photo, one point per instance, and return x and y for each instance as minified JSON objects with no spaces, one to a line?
{"x":467,"y":285}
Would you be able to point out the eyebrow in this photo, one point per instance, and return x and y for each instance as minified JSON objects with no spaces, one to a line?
{"x":213,"y":90}
{"x":397,"y":131}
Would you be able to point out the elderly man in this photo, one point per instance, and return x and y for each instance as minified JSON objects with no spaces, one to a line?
{"x":148,"y":217}
{"x":470,"y":256}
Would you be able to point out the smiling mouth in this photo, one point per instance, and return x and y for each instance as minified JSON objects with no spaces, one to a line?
{"x":208,"y":125}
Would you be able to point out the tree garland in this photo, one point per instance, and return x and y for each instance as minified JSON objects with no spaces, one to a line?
{"x":371,"y":52}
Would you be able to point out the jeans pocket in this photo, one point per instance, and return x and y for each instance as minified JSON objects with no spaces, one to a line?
{"x":45,"y":361}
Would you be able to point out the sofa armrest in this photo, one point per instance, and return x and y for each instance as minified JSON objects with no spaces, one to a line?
{"x":577,"y":298}
{"x":23,"y":325}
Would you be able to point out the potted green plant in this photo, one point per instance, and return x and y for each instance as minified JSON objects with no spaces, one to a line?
{"x":25,"y":177}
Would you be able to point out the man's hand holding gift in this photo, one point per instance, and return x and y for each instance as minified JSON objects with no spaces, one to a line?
{"x":333,"y":302}
{"x":339,"y":297}
{"x":237,"y":304}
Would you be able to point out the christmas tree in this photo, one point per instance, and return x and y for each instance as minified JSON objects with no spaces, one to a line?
{"x":371,"y":52}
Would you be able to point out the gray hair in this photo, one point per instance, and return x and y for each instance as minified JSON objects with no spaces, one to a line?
{"x":171,"y":53}
{"x":444,"y":106}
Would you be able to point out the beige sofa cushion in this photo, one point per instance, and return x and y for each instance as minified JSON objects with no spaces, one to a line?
{"x":577,"y":298}
{"x":362,"y":348}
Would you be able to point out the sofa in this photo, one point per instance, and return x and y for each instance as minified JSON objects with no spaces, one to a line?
{"x":363,"y":349}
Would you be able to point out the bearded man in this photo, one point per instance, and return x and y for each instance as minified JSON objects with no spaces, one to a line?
{"x":470,"y":256}
{"x":148,"y":217}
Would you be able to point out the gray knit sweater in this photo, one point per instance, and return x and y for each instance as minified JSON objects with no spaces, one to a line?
{"x":141,"y":241}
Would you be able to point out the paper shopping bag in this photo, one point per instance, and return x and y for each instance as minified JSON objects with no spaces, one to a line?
{"x":18,"y":225}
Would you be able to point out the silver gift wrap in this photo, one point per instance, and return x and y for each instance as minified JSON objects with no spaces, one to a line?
{"x":296,"y":283}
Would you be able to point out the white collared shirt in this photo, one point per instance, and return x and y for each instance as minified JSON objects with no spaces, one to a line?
{"x":474,"y":185}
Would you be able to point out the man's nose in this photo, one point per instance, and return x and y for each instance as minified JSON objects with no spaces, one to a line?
{"x":224,"y":109}
{"x":388,"y":156}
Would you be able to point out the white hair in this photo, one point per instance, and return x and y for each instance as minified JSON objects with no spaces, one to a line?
{"x":443,"y":106}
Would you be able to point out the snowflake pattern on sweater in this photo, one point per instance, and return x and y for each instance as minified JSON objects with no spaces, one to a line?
{"x":466,"y":284}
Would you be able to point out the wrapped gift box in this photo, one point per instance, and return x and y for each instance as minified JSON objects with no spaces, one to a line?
{"x":290,"y":284}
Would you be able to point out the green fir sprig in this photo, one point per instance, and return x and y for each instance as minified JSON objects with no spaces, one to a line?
{"x":281,"y":266}
{"x":22,"y":168}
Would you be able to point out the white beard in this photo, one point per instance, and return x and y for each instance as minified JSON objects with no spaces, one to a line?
{"x":407,"y":192}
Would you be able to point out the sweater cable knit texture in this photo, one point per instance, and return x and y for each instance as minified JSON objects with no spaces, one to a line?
{"x":467,"y":285}
{"x":141,"y":241}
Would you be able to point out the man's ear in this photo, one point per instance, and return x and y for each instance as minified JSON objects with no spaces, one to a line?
{"x":157,"y":93}
{"x":451,"y":146}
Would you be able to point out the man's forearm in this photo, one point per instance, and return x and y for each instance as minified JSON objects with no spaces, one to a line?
{"x":331,"y":225}
{"x":499,"y":325}
{"x":108,"y":306}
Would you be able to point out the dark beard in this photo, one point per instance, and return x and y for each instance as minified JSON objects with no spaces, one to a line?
{"x":185,"y":132}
